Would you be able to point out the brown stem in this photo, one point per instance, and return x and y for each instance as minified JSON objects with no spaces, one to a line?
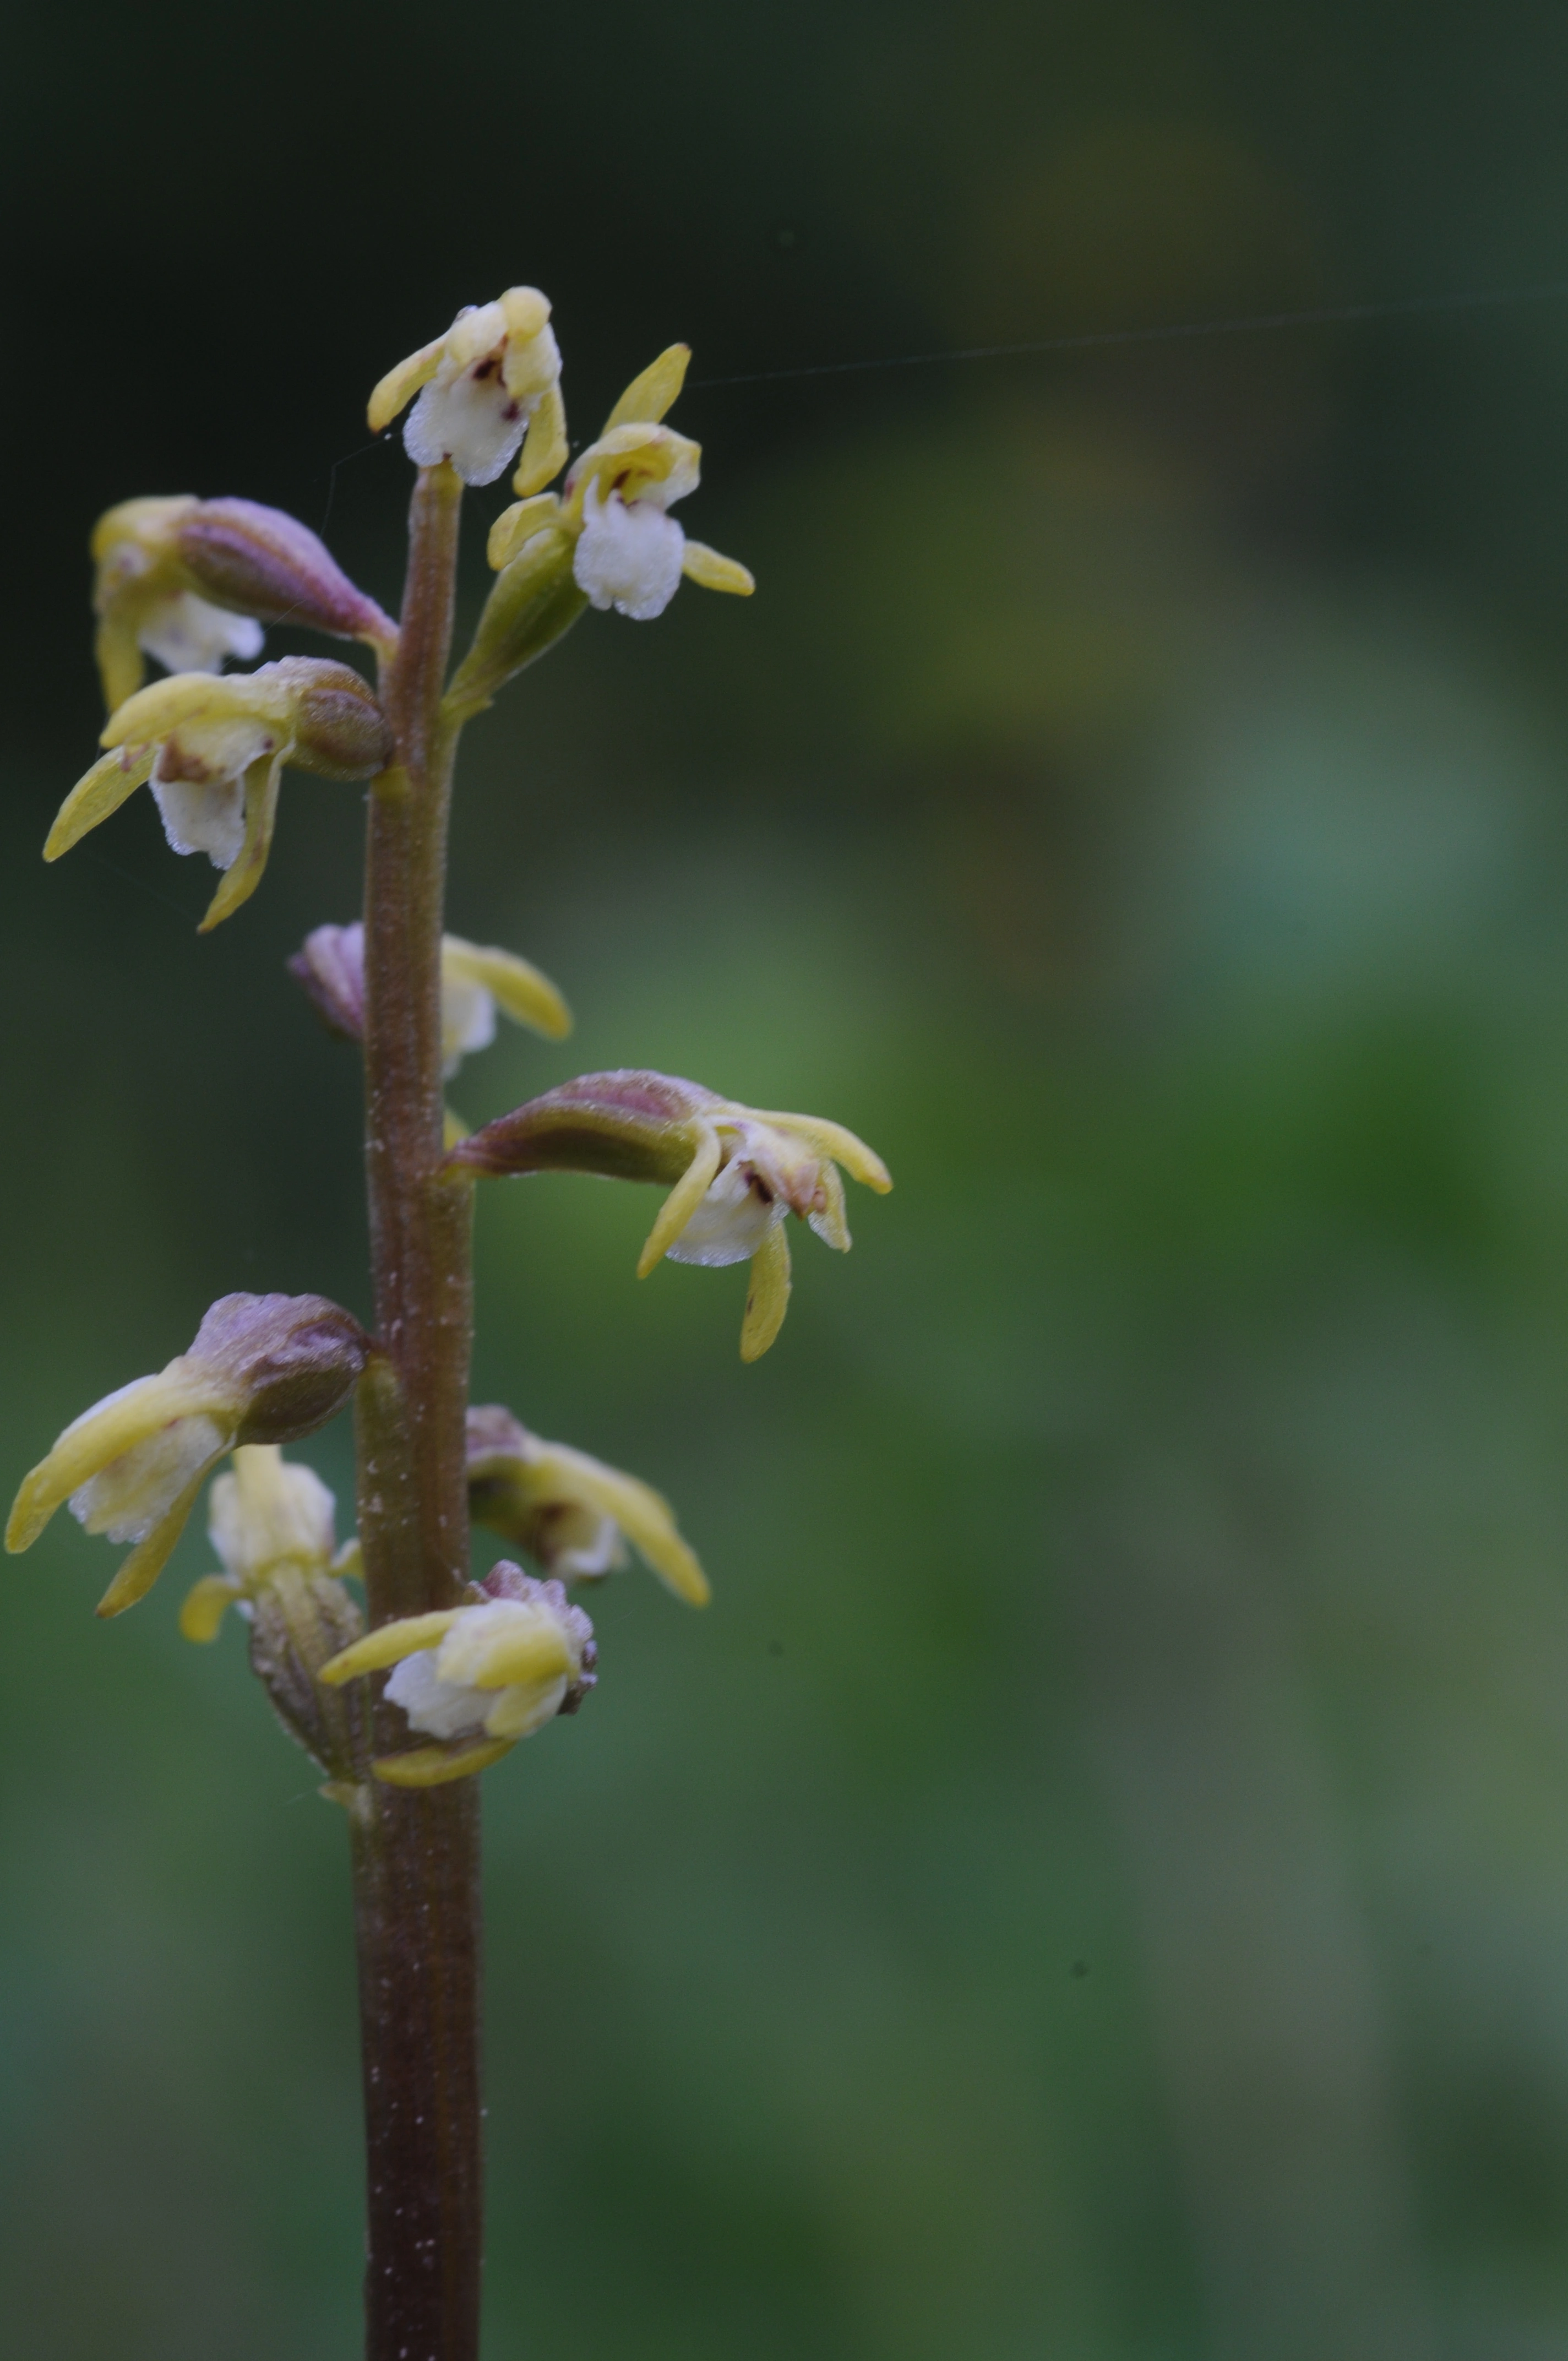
{"x":416,"y":1852}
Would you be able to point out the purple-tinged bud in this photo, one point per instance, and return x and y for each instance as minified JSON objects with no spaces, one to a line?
{"x":330,"y":966}
{"x":262,"y":561}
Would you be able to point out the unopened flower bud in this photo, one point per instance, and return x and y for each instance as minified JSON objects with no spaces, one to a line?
{"x":475,"y":980}
{"x":265,"y":563}
{"x":572,"y":1513}
{"x":476,"y":1678}
{"x":214,"y":751}
{"x":262,"y":1368}
{"x":736,"y":1171}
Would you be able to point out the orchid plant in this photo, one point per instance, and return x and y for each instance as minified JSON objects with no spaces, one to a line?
{"x":402,"y":1676}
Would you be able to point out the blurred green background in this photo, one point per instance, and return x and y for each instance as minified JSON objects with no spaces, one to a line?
{"x":1095,"y":1884}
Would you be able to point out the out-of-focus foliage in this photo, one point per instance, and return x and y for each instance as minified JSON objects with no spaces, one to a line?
{"x":1096,"y":1881}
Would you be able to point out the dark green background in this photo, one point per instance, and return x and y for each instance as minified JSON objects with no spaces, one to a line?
{"x":1095,"y":1884}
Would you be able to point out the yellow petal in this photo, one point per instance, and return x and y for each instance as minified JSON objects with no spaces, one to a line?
{"x":432,"y":1766}
{"x":532,"y":1654}
{"x":706,"y":567}
{"x":138,"y":1572}
{"x":525,"y":312}
{"x":400,"y":385}
{"x":546,"y":449}
{"x":767,"y":1298}
{"x":831,"y":1224}
{"x":644,"y":1515}
{"x":101,"y":791}
{"x":682,"y":1200}
{"x":121,"y":667}
{"x":241,"y":878}
{"x":156,"y":711}
{"x":388,"y":1644}
{"x":527,"y":997}
{"x":648,"y":396}
{"x":206,"y":1604}
{"x":518,"y":524}
{"x":100,"y":1435}
{"x":862,"y":1163}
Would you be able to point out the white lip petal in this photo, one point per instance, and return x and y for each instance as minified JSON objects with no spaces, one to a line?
{"x":731,"y":1221}
{"x":441,"y":1708}
{"x":207,"y":817}
{"x":628,"y":557}
{"x":126,"y":1500}
{"x":190,"y":634}
{"x":474,"y":421}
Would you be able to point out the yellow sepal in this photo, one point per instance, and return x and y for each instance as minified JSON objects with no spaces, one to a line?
{"x":433,"y":1766}
{"x":138,"y":1572}
{"x":99,"y":1436}
{"x":767,"y":1298}
{"x":388,"y":1644}
{"x":682,"y":1200}
{"x":400,"y":385}
{"x":99,"y":791}
{"x":712,"y":572}
{"x":517,"y":987}
{"x":862,"y":1163}
{"x":517,"y":525}
{"x":243,"y":874}
{"x":644,"y":1515}
{"x":206,"y":1604}
{"x":648,"y":397}
{"x":546,"y":449}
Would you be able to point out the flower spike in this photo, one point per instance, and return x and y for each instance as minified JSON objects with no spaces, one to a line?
{"x":477,"y":1678}
{"x":262,"y":1368}
{"x":475,"y":980}
{"x":192,"y":582}
{"x":491,"y":381}
{"x":572,"y":1513}
{"x":215,"y":750}
{"x":733,"y":1172}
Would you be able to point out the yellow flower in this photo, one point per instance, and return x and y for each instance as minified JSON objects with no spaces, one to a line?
{"x":737,"y":1171}
{"x":476,"y":1678}
{"x":262,"y":1368}
{"x":572,"y":1513}
{"x":494,"y":377}
{"x":215,"y":750}
{"x":475,"y":980}
{"x":626,"y":551}
{"x":191,"y":582}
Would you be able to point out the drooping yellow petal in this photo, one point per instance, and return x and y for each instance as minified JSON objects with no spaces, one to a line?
{"x":388,"y":1644}
{"x":862,"y":1163}
{"x":526,"y":995}
{"x":707,"y":568}
{"x":648,"y":396}
{"x":121,"y":666}
{"x":433,"y":1766}
{"x":138,"y":1572}
{"x":99,"y":1436}
{"x":400,"y":385}
{"x":101,"y":791}
{"x":518,"y":524}
{"x":206,"y":1604}
{"x":546,"y":449}
{"x":644,"y":1515}
{"x":241,"y":878}
{"x":831,"y":1223}
{"x":682,"y":1200}
{"x":767,"y":1298}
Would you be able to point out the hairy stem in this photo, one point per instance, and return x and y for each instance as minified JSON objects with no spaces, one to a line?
{"x":416,"y":1852}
